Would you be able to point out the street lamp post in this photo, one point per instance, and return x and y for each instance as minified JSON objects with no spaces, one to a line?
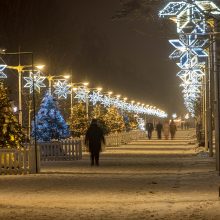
{"x":20,"y":68}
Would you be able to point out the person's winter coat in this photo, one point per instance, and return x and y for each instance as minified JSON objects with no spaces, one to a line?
{"x":94,"y":138}
{"x":159,"y":127}
{"x":166,"y":130}
{"x":149,"y":127}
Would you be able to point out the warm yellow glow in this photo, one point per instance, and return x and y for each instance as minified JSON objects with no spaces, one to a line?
{"x":110,"y":92}
{"x":125,"y":98}
{"x":118,"y":96}
{"x":74,"y":88}
{"x":99,"y":88}
{"x":132,"y":101}
{"x":173,"y":19}
{"x":66,"y":76}
{"x":40,"y":67}
{"x":86,"y":83}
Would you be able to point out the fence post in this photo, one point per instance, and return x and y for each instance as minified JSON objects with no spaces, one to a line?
{"x":32,"y":162}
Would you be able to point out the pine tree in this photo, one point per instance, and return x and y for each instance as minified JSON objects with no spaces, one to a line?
{"x":113,"y":120}
{"x":131,"y":122}
{"x":11,"y":135}
{"x":50,"y":124}
{"x":98,"y":113}
{"x":79,"y":122}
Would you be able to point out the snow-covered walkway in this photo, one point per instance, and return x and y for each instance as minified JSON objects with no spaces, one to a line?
{"x":142,"y":180}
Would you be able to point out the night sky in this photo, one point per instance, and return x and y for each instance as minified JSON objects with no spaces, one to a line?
{"x":127,"y":56}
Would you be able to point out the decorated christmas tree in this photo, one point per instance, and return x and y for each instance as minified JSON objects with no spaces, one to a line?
{"x":131,"y":122}
{"x":50,"y":124}
{"x":11,"y":135}
{"x":98,"y":113}
{"x":78,"y":122}
{"x":113,"y":120}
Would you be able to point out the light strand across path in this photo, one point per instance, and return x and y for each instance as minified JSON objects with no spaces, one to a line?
{"x":83,"y":94}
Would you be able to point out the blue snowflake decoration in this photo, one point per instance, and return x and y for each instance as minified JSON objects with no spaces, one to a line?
{"x":81,"y":94}
{"x":190,"y":17}
{"x":62,"y":89}
{"x":95,"y":97}
{"x":106,"y":101}
{"x":35,"y":80}
{"x":172,"y":9}
{"x":208,"y":7}
{"x":2,"y":75}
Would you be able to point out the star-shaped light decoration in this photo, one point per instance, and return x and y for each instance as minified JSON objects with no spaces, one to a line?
{"x":106,"y":101}
{"x":81,"y":94}
{"x":35,"y":80}
{"x":2,"y":75}
{"x":62,"y":89}
{"x":172,"y":9}
{"x":95,"y":97}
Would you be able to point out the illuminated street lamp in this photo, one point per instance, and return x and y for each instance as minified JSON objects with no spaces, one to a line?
{"x":174,"y":115}
{"x":20,"y":69}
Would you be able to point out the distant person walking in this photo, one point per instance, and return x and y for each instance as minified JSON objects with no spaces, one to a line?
{"x":173,"y":129}
{"x":159,"y":128}
{"x":149,"y":129}
{"x":166,"y":129}
{"x":94,"y":139}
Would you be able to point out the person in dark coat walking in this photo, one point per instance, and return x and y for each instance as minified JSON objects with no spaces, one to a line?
{"x":149,"y":128}
{"x":94,"y":139}
{"x":159,"y":128}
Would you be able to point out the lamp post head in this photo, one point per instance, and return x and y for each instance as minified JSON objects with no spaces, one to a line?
{"x":2,"y":51}
{"x":99,"y":89}
{"x":66,"y":76}
{"x":86,"y":83}
{"x":40,"y":67}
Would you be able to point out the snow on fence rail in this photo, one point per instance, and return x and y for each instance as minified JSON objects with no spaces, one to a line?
{"x":61,"y":150}
{"x":115,"y":140}
{"x":17,"y":161}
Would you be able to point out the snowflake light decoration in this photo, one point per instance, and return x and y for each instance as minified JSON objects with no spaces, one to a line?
{"x":62,"y":89}
{"x":190,"y":17}
{"x":95,"y":97}
{"x":106,"y":101}
{"x":81,"y":94}
{"x":2,"y":75}
{"x":35,"y":80}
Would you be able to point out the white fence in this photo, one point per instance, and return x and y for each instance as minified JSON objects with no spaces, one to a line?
{"x":18,"y":161}
{"x":23,"y":161}
{"x":61,"y":150}
{"x":115,"y":140}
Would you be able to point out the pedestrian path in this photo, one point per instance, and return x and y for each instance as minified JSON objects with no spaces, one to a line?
{"x":140,"y":180}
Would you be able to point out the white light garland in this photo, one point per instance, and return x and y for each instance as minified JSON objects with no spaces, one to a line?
{"x":62,"y":89}
{"x":35,"y":80}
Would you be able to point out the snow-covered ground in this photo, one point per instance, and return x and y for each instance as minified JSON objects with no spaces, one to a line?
{"x":142,"y":180}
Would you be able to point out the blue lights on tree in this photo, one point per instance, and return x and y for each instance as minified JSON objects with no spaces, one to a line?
{"x":50,"y":124}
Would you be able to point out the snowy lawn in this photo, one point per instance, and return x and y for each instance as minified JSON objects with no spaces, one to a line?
{"x":142,"y":180}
